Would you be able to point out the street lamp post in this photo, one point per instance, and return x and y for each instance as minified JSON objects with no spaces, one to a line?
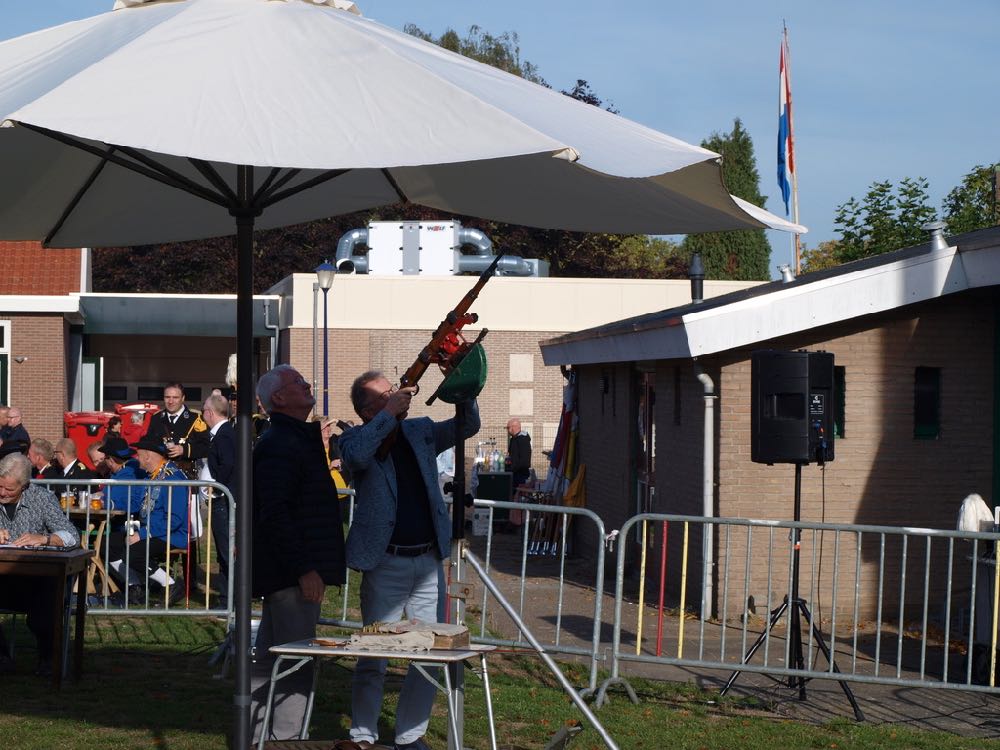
{"x":324,"y":276}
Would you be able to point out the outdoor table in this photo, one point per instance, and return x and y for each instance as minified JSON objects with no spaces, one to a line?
{"x":305,"y":651}
{"x":108,"y":585}
{"x":58,"y":564}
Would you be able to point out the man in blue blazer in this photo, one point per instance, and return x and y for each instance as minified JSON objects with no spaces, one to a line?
{"x":400,"y":535}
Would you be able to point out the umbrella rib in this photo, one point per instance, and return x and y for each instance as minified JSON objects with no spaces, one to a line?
{"x":395,"y":185}
{"x":164,"y":175}
{"x":168,"y":176}
{"x":317,"y":180}
{"x":211,"y":174}
{"x":75,"y":200}
{"x":265,"y":189}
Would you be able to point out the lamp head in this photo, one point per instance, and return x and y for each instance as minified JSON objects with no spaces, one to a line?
{"x":325,"y":272}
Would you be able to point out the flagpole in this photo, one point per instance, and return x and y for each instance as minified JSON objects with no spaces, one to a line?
{"x":796,"y":237}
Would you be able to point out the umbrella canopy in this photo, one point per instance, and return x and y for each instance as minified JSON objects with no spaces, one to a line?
{"x":183,"y":119}
{"x":372,"y":115}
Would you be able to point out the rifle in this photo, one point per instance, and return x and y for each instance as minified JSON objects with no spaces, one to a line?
{"x":447,"y":346}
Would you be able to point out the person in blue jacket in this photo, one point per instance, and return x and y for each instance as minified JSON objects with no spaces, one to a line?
{"x":121,"y":463}
{"x":162,"y":513}
{"x":400,"y":536}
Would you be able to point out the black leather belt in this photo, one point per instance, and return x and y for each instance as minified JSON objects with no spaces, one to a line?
{"x":409,"y":550}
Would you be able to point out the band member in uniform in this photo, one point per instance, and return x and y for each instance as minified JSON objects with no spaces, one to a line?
{"x":183,"y":431}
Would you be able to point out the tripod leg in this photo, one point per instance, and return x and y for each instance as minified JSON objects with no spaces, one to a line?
{"x":775,"y":616}
{"x":801,"y":605}
{"x":795,"y":660}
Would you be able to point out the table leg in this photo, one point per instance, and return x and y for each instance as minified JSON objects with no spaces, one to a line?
{"x":81,"y":620}
{"x":454,"y":684}
{"x":489,"y":703}
{"x":58,"y":612}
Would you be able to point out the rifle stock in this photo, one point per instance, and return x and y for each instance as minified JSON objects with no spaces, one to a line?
{"x":446,"y":341}
{"x":447,"y":345}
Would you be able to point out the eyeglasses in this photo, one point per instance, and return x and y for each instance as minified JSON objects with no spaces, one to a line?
{"x":297,"y":381}
{"x":383,"y":396}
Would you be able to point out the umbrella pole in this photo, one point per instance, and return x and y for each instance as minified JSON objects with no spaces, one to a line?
{"x":455,"y":669}
{"x":244,"y":423}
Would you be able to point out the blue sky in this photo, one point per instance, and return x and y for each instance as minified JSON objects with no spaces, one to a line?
{"x":882,"y":89}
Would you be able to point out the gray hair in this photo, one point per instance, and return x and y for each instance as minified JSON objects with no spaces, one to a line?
{"x":42,"y":447}
{"x":360,"y":396}
{"x":269,"y":383}
{"x":16,"y":465}
{"x":219,"y":404}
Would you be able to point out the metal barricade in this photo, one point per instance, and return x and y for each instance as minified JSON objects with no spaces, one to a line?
{"x":108,"y":580}
{"x":545,"y":542}
{"x":895,"y":604}
{"x":556,"y":551}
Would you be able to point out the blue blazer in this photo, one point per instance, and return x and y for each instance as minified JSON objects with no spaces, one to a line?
{"x":375,"y":480}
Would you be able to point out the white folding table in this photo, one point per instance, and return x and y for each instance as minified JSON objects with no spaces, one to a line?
{"x":300,"y":653}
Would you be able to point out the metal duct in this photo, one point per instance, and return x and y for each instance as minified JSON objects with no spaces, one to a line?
{"x":346,"y":261}
{"x":509,"y":265}
{"x":472,"y":236}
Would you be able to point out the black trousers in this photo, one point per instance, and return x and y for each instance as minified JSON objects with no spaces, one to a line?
{"x":220,"y":533}
{"x":137,"y":553}
{"x":33,"y":596}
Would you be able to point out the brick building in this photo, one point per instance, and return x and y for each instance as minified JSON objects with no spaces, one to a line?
{"x":890,"y":321}
{"x":66,"y":348}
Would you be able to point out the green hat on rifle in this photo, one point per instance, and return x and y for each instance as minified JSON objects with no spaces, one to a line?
{"x":467,"y":378}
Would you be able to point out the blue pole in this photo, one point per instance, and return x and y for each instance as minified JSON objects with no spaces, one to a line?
{"x":326,"y":362}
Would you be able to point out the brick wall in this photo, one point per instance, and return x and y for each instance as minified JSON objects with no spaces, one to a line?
{"x":881,"y":475}
{"x":38,"y":385}
{"x":535,"y":393}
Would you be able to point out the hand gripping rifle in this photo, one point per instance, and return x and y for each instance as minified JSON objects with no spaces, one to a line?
{"x":447,"y":347}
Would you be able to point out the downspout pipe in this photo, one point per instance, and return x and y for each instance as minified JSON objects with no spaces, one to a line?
{"x":273,"y":327}
{"x":347,"y":261}
{"x":509,"y":265}
{"x":707,"y":491}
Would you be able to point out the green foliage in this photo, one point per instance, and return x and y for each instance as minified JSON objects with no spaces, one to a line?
{"x":823,"y":256}
{"x":501,"y":51}
{"x":973,"y":204}
{"x":887,"y":219}
{"x":742,"y":254}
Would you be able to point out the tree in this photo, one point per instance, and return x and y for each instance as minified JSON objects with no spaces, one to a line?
{"x":742,"y":254}
{"x":824,"y":255}
{"x":887,"y":219}
{"x":973,"y":204}
{"x":502,"y":51}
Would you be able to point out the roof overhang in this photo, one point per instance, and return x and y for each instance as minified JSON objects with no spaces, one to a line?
{"x":172,"y":314}
{"x":922,"y":273}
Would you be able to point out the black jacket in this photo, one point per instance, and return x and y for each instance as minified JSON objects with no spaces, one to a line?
{"x":191,"y":432}
{"x":222,"y":456}
{"x":296,"y":516}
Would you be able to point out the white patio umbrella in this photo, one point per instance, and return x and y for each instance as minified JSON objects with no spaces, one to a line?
{"x":168,"y":120}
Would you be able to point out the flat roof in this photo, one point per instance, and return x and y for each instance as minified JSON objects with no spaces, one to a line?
{"x":769,"y":311}
{"x":172,"y":314}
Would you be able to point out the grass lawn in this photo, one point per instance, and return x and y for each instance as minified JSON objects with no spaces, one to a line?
{"x":147,"y":684}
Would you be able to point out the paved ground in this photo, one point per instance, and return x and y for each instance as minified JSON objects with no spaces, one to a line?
{"x":962,"y":712}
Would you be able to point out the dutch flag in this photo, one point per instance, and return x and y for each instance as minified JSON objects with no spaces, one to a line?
{"x":786,"y":149}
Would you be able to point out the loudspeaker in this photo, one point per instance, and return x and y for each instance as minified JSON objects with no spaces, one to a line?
{"x":792,"y":405}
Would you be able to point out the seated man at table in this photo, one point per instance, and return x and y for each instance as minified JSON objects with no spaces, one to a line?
{"x":120,"y":462}
{"x":163,"y":524}
{"x":30,"y":517}
{"x":40,"y":454}
{"x":68,"y":468}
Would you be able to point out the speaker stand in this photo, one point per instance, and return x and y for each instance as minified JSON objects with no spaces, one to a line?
{"x":799,"y":611}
